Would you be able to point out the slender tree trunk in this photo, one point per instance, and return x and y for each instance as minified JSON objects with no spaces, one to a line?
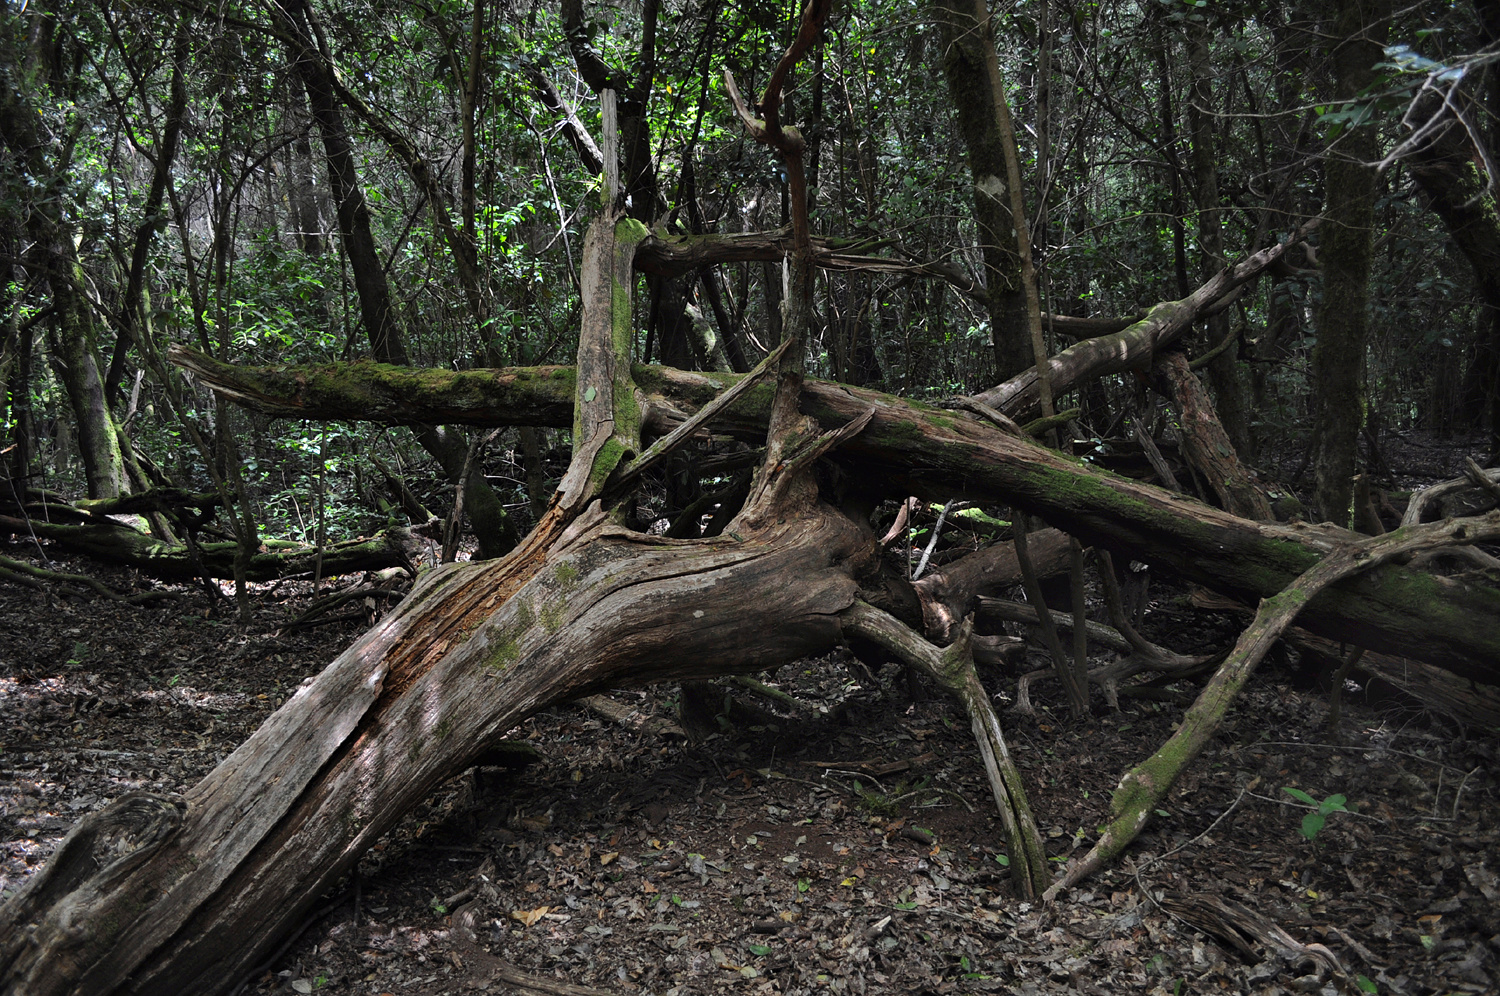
{"x":133,"y":309}
{"x":1224,"y":369}
{"x":973,"y":74}
{"x":492,"y":527}
{"x":1359,"y":30}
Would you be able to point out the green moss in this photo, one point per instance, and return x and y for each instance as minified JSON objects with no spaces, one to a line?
{"x":567,"y":576}
{"x":904,"y":430}
{"x":524,"y":616}
{"x":609,"y":457}
{"x":503,"y":652}
{"x":444,"y":727}
{"x":552,"y":617}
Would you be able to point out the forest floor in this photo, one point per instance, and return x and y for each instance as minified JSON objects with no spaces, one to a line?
{"x":850,"y":848}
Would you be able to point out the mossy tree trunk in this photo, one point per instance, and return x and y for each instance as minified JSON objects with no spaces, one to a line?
{"x":972,"y":70}
{"x":53,"y":256}
{"x":1453,"y":624}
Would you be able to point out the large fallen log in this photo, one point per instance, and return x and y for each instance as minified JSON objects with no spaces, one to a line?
{"x":164,"y":895}
{"x":912,"y":448}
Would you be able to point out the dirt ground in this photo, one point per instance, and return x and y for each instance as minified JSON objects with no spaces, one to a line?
{"x":849,"y":846}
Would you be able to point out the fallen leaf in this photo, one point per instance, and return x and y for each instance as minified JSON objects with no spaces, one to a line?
{"x":605,"y":859}
{"x":529,"y":917}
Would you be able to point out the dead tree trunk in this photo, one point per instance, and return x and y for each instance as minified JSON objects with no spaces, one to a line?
{"x":1132,"y":348}
{"x":1206,"y":443}
{"x":911,"y":448}
{"x":175,"y":895}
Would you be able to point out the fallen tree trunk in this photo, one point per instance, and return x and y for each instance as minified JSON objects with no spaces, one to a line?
{"x":473,"y":650}
{"x":1132,"y":348}
{"x":912,"y":448}
{"x":1205,"y":443}
{"x":117,"y":543}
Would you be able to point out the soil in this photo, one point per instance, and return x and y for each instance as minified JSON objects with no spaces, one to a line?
{"x":850,"y":846}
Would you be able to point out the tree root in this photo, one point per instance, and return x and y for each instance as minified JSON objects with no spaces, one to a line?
{"x":31,"y":576}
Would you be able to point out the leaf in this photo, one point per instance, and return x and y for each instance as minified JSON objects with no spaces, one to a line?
{"x":605,"y":859}
{"x":906,"y":906}
{"x":1365,"y":985}
{"x":1312,"y":823}
{"x":1299,"y":795}
{"x":302,"y":985}
{"x":529,"y":917}
{"x":1003,"y":860}
{"x":759,"y":950}
{"x":590,"y":394}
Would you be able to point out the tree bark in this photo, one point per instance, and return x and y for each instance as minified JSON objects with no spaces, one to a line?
{"x":973,"y":74}
{"x":909,"y":448}
{"x":1360,"y":28}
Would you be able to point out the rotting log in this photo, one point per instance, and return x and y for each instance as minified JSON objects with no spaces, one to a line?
{"x":912,"y":448}
{"x":116,"y":543}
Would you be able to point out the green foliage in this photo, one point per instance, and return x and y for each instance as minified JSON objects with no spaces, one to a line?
{"x":235,"y":272}
{"x":1312,"y":823}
